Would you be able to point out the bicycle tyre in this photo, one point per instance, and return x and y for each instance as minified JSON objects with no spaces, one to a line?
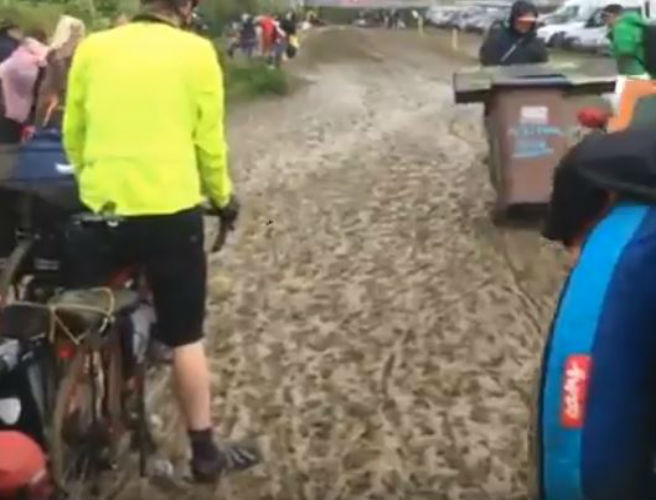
{"x":110,"y":412}
{"x":69,"y":384}
{"x":115,"y":403}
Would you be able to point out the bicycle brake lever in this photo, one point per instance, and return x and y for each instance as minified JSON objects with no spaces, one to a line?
{"x":221,"y":238}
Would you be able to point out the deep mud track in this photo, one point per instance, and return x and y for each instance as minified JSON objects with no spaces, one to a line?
{"x":368,"y":322}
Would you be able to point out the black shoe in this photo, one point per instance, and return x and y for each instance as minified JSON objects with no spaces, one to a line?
{"x":229,"y":457}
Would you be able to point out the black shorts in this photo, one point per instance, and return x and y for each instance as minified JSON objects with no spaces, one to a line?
{"x":170,"y":251}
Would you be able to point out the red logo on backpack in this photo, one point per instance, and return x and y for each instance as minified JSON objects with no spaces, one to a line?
{"x":575,"y":390}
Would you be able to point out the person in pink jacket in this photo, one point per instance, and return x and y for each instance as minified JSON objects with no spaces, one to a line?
{"x":19,"y":75}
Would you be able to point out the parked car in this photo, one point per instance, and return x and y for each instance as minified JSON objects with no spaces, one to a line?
{"x":554,"y":35}
{"x":472,"y":23}
{"x":603,"y":46}
{"x":592,"y":35}
{"x":440,"y":16}
{"x":451,"y":19}
{"x":492,"y":18}
{"x":585,"y":37}
{"x":464,"y":17}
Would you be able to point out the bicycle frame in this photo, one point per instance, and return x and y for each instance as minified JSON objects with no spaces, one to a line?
{"x":64,"y":351}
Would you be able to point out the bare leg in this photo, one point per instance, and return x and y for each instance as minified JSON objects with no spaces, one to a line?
{"x":192,"y":383}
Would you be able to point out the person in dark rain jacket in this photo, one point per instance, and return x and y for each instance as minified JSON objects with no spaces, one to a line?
{"x":515,"y":42}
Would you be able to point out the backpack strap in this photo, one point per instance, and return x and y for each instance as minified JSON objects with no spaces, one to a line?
{"x":511,"y":50}
{"x":35,"y":94}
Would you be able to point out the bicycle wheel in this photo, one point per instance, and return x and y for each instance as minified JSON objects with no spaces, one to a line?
{"x":72,"y":422}
{"x":88,"y":431}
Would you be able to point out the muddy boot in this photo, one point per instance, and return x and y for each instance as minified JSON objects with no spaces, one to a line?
{"x":211,"y":461}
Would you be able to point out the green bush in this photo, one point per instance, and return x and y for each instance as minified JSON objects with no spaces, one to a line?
{"x":254,"y":78}
{"x":29,"y":16}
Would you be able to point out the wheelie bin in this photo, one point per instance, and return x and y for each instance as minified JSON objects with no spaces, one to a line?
{"x":528,"y":122}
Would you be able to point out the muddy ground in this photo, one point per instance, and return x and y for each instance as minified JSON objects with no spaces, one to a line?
{"x":368,"y":321}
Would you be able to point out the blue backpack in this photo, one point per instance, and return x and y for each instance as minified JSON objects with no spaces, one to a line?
{"x":40,"y":167}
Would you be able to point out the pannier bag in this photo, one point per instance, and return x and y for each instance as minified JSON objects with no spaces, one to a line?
{"x":40,"y":171}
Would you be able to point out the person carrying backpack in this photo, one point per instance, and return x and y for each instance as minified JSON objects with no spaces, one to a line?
{"x":515,"y":42}
{"x":627,"y":37}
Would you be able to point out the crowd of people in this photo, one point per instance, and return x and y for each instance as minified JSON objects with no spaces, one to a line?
{"x":273,"y":37}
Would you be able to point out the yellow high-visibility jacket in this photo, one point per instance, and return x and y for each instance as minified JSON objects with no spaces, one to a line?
{"x":144,"y":121}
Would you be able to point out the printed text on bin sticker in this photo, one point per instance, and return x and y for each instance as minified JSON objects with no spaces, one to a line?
{"x":537,"y":115}
{"x":575,"y":390}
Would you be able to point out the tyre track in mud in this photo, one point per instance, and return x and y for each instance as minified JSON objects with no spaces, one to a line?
{"x":368,"y":321}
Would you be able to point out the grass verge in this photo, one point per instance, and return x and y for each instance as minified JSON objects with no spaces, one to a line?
{"x":248,"y":79}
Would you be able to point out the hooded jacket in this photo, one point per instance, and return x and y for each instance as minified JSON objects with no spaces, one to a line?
{"x":627,"y":44}
{"x":622,"y":163}
{"x":505,"y":46}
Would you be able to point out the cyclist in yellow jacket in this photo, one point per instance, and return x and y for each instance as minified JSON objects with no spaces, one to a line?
{"x":143,"y":127}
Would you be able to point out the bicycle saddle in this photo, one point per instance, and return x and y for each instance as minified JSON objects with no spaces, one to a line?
{"x":85,"y":309}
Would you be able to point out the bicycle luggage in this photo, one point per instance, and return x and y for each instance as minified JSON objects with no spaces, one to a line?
{"x":38,"y":172}
{"x":26,"y":370}
{"x":40,"y":168}
{"x":19,"y":402}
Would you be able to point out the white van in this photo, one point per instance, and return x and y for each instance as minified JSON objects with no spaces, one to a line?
{"x":573,"y":16}
{"x":587,"y":37}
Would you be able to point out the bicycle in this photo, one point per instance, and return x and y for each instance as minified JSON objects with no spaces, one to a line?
{"x":85,"y":341}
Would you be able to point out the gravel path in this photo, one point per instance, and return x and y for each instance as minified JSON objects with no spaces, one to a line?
{"x":369,"y":323}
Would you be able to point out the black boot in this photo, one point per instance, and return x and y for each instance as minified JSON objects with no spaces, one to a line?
{"x":210,"y":461}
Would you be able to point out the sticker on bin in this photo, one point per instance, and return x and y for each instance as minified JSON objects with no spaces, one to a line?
{"x":538,"y":115}
{"x":532,"y":148}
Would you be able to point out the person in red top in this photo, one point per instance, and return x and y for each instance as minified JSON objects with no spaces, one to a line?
{"x":268,"y":26}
